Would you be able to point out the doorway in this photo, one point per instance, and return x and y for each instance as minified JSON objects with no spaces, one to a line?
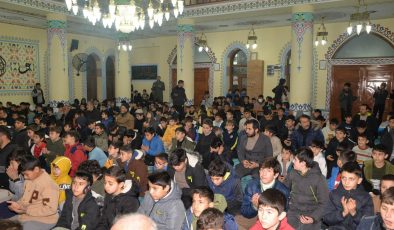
{"x":110,"y":77}
{"x":201,"y":83}
{"x":93,"y":72}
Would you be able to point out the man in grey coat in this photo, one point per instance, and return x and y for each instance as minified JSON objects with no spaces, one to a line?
{"x":253,"y":149}
{"x":157,"y":90}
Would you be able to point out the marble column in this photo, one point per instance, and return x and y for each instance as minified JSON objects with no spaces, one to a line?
{"x":301,"y":59}
{"x":58,"y":80}
{"x":185,"y":56}
{"x":123,"y":75}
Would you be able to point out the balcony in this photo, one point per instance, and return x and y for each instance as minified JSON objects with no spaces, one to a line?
{"x":201,"y":2}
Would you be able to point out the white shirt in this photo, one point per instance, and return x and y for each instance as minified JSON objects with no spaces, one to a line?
{"x":321,"y":160}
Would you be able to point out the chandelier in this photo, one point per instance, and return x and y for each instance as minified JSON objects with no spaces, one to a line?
{"x":252,"y":40}
{"x":321,"y":34}
{"x":127,"y":16}
{"x":360,"y":19}
{"x":202,"y":41}
{"x":124,"y":45}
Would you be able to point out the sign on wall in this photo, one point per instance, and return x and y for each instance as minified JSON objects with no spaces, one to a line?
{"x":144,"y":72}
{"x":19,"y":64}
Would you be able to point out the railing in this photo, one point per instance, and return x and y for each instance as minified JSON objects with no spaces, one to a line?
{"x":200,"y":2}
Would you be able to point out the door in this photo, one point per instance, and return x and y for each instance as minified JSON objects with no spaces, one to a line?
{"x":110,"y":78}
{"x":364,"y":80}
{"x":201,"y":83}
{"x":91,"y":75}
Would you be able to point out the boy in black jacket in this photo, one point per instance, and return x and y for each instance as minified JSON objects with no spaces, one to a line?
{"x":349,"y":202}
{"x":80,"y":210}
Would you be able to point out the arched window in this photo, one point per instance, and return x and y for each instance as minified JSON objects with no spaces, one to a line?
{"x":238,"y":70}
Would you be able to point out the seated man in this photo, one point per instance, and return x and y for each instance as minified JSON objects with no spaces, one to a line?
{"x":37,"y":208}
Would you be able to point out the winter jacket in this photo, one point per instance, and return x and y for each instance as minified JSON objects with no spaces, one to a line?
{"x":101,"y":141}
{"x":54,"y":149}
{"x":371,"y":223}
{"x":98,"y":155}
{"x":187,"y":144}
{"x":261,"y":150}
{"x":124,"y":203}
{"x":21,"y":139}
{"x":77,"y":155}
{"x":283,"y":225}
{"x":88,"y":212}
{"x":288,"y":166}
{"x":346,"y":99}
{"x":372,"y":123}
{"x":203,"y":147}
{"x":309,"y":195}
{"x":331,"y":151}
{"x":4,"y":153}
{"x":387,"y":139}
{"x":155,"y":146}
{"x":253,"y":187}
{"x":63,"y":180}
{"x":169,"y":134}
{"x":178,"y":95}
{"x":125,"y":120}
{"x":137,"y":171}
{"x":332,"y":179}
{"x":368,"y":167}
{"x":231,"y":189}
{"x":168,"y":213}
{"x":303,"y":138}
{"x":333,"y":212}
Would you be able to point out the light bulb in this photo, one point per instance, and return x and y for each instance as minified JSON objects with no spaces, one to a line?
{"x":349,"y":30}
{"x":173,"y":2}
{"x":75,"y":9}
{"x":359,"y":27}
{"x":368,"y":28}
{"x":323,"y":42}
{"x":150,"y":11}
{"x":119,"y":47}
{"x":200,"y":49}
{"x":151,"y":23}
{"x":85,"y":12}
{"x":316,"y":43}
{"x":176,"y":12}
{"x":124,"y":47}
{"x":69,"y":4}
{"x":180,"y":7}
{"x":254,"y":46}
{"x":247,"y":46}
{"x":112,"y":7}
{"x":130,"y":47}
{"x":167,"y":15}
{"x":206,"y":48}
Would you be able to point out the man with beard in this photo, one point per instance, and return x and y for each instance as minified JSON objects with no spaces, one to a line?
{"x":253,"y":149}
{"x":305,"y":134}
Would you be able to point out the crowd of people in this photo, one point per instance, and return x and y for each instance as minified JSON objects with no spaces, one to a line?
{"x":156,"y":165}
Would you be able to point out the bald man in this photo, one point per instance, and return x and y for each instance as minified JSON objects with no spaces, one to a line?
{"x":139,"y":221}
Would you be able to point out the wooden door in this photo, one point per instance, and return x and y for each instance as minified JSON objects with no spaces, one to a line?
{"x":364,"y":80}
{"x":201,"y":83}
{"x":91,"y":81}
{"x":110,"y":78}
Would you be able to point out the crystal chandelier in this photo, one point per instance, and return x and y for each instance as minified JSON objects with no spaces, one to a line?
{"x":203,"y":44}
{"x":252,"y":40}
{"x":127,"y":16}
{"x":361,"y":20}
{"x":321,"y":34}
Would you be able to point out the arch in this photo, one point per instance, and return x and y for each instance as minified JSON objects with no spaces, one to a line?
{"x":283,"y":59}
{"x":93,"y":73}
{"x":110,"y":77}
{"x":237,"y":45}
{"x":377,"y":29}
{"x":100,"y":55}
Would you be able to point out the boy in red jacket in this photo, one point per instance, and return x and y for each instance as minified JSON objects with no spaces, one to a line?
{"x":74,"y":151}
{"x":272,"y":215}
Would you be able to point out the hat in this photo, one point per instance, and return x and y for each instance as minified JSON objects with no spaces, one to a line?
{"x":139,"y":111}
{"x":137,"y":154}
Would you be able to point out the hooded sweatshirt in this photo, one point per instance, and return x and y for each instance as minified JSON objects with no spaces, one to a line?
{"x":168,"y":213}
{"x":123,"y":203}
{"x":63,"y":180}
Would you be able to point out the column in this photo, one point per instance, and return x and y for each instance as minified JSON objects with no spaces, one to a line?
{"x":301,"y":59}
{"x":123,"y":76}
{"x":58,"y":80}
{"x":185,"y":56}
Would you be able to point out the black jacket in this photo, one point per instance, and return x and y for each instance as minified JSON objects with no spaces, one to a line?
{"x":4,"y":162}
{"x":387,"y":140}
{"x":331,"y":151}
{"x":21,"y":139}
{"x":203,"y":147}
{"x":372,"y":123}
{"x":333,"y":216}
{"x":88,"y":212}
{"x":178,"y":95}
{"x":124,"y":203}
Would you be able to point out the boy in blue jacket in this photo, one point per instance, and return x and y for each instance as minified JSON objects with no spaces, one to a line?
{"x":222,"y":180}
{"x":269,"y":172}
{"x":152,"y":145}
{"x":349,"y":202}
{"x":344,"y":157}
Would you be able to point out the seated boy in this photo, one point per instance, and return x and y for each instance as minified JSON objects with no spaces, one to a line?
{"x":269,"y":172}
{"x":163,"y":202}
{"x":60,"y":168}
{"x":211,"y":218}
{"x":343,"y":158}
{"x":377,"y":167}
{"x":384,"y":219}
{"x":132,"y":162}
{"x":204,"y":198}
{"x":363,"y":151}
{"x":222,"y":180}
{"x":318,"y":155}
{"x":80,"y":210}
{"x":55,"y":146}
{"x":285,"y":159}
{"x":93,"y":168}
{"x":100,"y":137}
{"x":94,"y":152}
{"x":151,"y":145}
{"x":188,"y":173}
{"x":349,"y":202}
{"x":271,"y":209}
{"x":113,"y":154}
{"x":309,"y":192}
{"x":37,"y":208}
{"x":161,"y":162}
{"x":386,"y":182}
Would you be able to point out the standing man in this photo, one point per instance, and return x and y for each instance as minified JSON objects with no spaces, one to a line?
{"x":38,"y":95}
{"x":380,"y":97}
{"x":346,"y":99}
{"x":157,"y":90}
{"x":179,"y":98}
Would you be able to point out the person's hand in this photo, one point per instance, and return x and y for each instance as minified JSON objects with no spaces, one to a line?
{"x":281,"y":178}
{"x":287,"y":142}
{"x":144,"y":148}
{"x":12,"y":172}
{"x":45,"y":150}
{"x":255,"y":200}
{"x":14,"y":206}
{"x":330,"y":158}
{"x":253,"y":165}
{"x":345,"y":211}
{"x":351,"y":206}
{"x":246,"y":164}
{"x":306,"y":219}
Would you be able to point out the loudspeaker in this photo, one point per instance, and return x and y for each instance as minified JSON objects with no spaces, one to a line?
{"x":74,"y":45}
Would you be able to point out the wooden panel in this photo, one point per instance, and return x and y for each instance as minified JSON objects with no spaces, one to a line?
{"x":110,"y":78}
{"x":91,"y":80}
{"x":255,"y":78}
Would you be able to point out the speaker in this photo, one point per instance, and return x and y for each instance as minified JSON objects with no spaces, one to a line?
{"x":74,"y":45}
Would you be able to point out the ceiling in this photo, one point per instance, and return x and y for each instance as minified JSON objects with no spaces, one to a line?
{"x":332,"y":10}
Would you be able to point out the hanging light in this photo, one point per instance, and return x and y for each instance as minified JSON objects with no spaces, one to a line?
{"x":173,"y":2}
{"x":75,"y":9}
{"x":361,"y":19}
{"x":180,"y":6}
{"x":69,"y":4}
{"x":124,"y":44}
{"x":203,"y":44}
{"x":321,"y":34}
{"x":176,"y":12}
{"x":252,"y":40}
{"x":167,"y":14}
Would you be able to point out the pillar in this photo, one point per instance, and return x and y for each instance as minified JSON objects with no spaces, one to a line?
{"x":58,"y":80}
{"x":123,"y":76}
{"x":301,"y":59}
{"x":185,"y":56}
